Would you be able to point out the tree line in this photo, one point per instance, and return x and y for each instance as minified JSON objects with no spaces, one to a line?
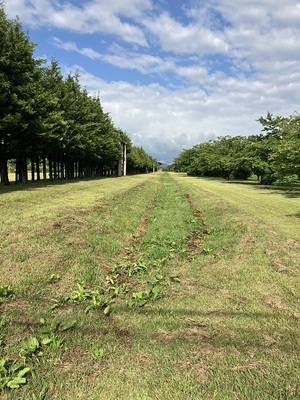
{"x":49,"y":125}
{"x":273,"y":155}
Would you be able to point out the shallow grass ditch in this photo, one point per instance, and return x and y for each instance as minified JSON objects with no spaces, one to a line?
{"x":149,"y":287}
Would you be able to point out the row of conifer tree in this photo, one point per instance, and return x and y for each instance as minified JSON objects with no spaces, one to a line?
{"x":51,"y":127}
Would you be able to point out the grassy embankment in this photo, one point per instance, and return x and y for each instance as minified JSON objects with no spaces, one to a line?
{"x":150,"y":287}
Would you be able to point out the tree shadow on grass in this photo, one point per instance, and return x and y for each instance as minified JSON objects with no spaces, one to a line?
{"x":197,"y":326}
{"x":35,"y":185}
{"x":291,"y":191}
{"x":297,"y":215}
{"x":288,"y":190}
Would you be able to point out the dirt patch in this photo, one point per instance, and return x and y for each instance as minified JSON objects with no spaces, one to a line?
{"x":197,"y":238}
{"x":277,"y":303}
{"x":185,"y":367}
{"x":281,"y":254}
{"x":129,"y":246}
{"x":67,"y":223}
{"x":270,"y":340}
{"x":199,"y":214}
{"x":291,"y":244}
{"x":280,"y":267}
{"x":194,"y":333}
{"x":272,"y":233}
{"x":194,"y":244}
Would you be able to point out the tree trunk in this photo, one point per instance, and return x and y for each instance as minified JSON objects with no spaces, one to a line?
{"x":32,"y":169}
{"x":21,"y":168}
{"x":4,"y":170}
{"x":62,"y":172}
{"x":24,"y":169}
{"x":55,"y":172}
{"x":38,"y":173}
{"x":50,"y":168}
{"x":44,"y":169}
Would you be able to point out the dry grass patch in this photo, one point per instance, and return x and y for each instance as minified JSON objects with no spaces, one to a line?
{"x":227,"y":330}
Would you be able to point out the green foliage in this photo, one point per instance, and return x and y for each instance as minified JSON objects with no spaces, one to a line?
{"x":29,"y":347}
{"x":6,"y":292}
{"x":226,"y":157}
{"x":51,"y":332}
{"x":98,"y":298}
{"x":102,"y":352}
{"x":138,"y":161}
{"x":80,"y":295}
{"x":19,"y":79}
{"x":272,"y":155}
{"x":12,"y":374}
{"x":99,"y":353}
{"x":54,"y":278}
{"x":140,"y":298}
{"x":285,"y":158}
{"x":132,"y":268}
{"x":44,"y":116}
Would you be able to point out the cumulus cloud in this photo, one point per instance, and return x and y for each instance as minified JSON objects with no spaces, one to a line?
{"x":97,"y":16}
{"x":262,"y":30}
{"x":165,"y":121}
{"x":178,"y":76}
{"x":121,"y":58}
{"x":72,"y":47}
{"x":144,"y":63}
{"x":192,"y":38}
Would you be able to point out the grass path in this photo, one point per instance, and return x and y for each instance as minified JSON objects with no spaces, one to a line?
{"x":279,"y":207}
{"x":206,"y":290}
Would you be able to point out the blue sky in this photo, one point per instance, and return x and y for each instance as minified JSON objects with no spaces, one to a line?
{"x":173,"y":73}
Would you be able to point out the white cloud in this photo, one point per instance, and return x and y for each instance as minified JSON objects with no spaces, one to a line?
{"x":144,"y":63}
{"x":220,"y":65}
{"x":72,"y":47}
{"x":98,"y":16}
{"x":165,"y":121}
{"x":262,"y":30}
{"x":184,"y":39}
{"x":195,"y":73}
{"x":128,"y":8}
{"x":121,"y":58}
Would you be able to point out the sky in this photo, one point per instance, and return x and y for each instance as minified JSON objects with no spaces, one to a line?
{"x":171,"y":73}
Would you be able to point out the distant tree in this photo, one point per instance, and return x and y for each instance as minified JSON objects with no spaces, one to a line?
{"x":184,"y":161}
{"x":265,"y":144}
{"x":273,"y":154}
{"x":225,"y":157}
{"x":285,"y":157}
{"x":138,"y":161}
{"x":271,"y":125}
{"x":231,"y":153}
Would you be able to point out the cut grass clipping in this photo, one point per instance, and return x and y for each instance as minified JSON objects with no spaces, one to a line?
{"x":159,"y":286}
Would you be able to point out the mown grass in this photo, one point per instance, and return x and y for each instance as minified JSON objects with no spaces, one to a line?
{"x":277,"y":206}
{"x":224,"y":326}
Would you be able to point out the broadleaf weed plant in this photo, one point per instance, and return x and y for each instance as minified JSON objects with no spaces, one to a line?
{"x":12,"y":374}
{"x":6,"y":292}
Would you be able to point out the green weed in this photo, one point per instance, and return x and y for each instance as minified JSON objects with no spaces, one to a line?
{"x":12,"y":374}
{"x":186,"y":325}
{"x":6,"y":292}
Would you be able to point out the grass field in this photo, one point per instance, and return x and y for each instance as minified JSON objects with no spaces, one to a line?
{"x":159,"y":286}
